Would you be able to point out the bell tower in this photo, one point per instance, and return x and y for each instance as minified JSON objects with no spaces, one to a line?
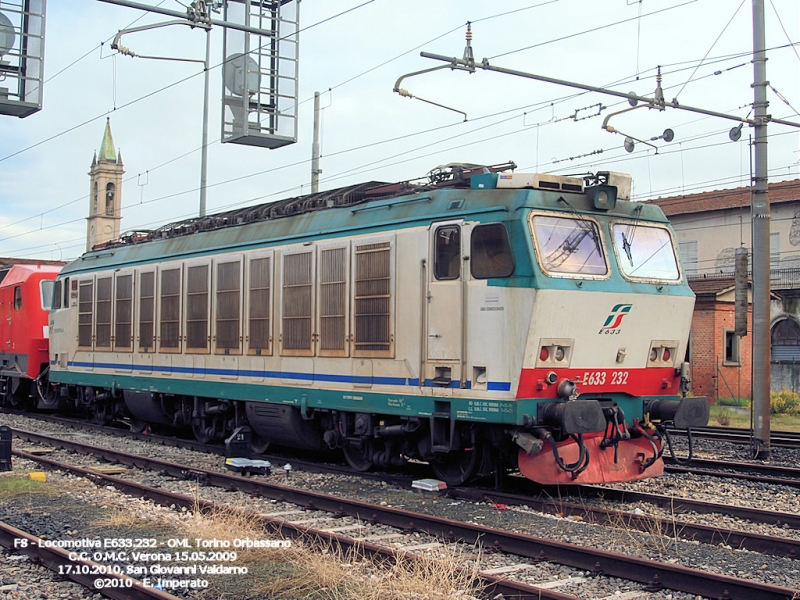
{"x":105,"y":193}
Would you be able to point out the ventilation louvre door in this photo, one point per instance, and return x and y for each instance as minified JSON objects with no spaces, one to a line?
{"x":332,"y":301}
{"x":297,"y":303}
{"x":373,"y":298}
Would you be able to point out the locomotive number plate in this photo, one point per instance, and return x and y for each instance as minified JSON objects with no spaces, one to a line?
{"x":600,"y":377}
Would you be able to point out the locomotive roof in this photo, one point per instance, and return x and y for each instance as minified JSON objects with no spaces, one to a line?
{"x":370,"y":207}
{"x":17,"y":274}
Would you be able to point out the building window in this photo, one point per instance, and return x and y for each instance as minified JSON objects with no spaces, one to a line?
{"x":786,"y":341}
{"x":775,"y":250}
{"x":110,"y":191}
{"x":732,"y":343}
{"x":689,"y":260}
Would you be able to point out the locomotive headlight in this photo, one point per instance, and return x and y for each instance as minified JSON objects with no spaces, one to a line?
{"x":662,"y":353}
{"x":555,"y":352}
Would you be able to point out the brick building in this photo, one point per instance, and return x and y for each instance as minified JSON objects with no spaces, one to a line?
{"x":721,"y":360}
{"x":709,"y":228}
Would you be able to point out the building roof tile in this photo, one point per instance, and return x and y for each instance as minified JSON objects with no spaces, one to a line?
{"x":780,"y":192}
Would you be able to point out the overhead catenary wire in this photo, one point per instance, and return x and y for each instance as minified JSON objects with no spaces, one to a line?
{"x":388,"y":158}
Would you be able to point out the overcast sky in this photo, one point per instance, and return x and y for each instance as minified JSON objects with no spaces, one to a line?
{"x":353,"y":51}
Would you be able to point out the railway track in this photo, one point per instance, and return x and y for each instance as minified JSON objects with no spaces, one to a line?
{"x":780,"y":439}
{"x":771,"y":474}
{"x":652,"y":574}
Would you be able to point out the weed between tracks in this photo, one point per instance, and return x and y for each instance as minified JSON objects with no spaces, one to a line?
{"x":316,"y":569}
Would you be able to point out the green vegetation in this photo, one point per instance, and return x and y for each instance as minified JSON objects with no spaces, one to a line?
{"x":784,"y":411}
{"x":784,"y":402}
{"x":14,"y":484}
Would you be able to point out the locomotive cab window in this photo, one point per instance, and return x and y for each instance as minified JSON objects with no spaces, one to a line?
{"x":490,"y":252}
{"x":447,"y":252}
{"x":46,"y":287}
{"x":17,"y":298}
{"x":569,"y":246}
{"x":57,"y":295}
{"x":645,"y":252}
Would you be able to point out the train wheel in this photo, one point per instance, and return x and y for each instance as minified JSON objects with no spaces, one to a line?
{"x":358,"y":458}
{"x":102,"y":412}
{"x":137,"y":426}
{"x":258,"y":444}
{"x":201,"y":431}
{"x":458,"y":467}
{"x":47,"y":396}
{"x":15,"y":395}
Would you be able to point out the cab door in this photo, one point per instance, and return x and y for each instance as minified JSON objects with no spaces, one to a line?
{"x":445,"y":305}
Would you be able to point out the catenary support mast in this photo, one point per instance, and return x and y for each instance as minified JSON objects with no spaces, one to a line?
{"x":759,"y":203}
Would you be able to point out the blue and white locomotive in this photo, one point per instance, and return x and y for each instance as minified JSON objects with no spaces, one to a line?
{"x":482,"y":321}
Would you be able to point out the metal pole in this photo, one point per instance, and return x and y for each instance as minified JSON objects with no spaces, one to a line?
{"x":186,"y":15}
{"x":759,"y":204}
{"x":315,"y":170}
{"x":463,"y":65}
{"x":204,"y":150}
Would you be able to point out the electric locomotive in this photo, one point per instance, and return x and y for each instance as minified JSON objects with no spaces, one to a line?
{"x":25,"y":298}
{"x":482,"y":321}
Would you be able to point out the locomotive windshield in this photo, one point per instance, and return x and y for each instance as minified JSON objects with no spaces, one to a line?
{"x":645,"y":252}
{"x":568,"y":246}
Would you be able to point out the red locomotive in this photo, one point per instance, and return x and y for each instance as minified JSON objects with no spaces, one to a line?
{"x":26,"y":293}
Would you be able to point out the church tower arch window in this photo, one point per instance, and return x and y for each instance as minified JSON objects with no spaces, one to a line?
{"x":110,"y":194}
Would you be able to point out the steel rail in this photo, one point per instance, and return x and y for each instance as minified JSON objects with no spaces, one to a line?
{"x":655,"y":575}
{"x":707,"y":467}
{"x":738,"y":435}
{"x":764,"y":544}
{"x":69,"y":565}
{"x":771,"y":471}
{"x":492,"y":585}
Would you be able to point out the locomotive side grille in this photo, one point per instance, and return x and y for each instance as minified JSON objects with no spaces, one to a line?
{"x":170,"y":308}
{"x":332,"y":298}
{"x":228,"y":303}
{"x":197,"y":307}
{"x":124,"y":313}
{"x":147,"y":299}
{"x":297,"y":297}
{"x":372,"y":297}
{"x":259,"y":326}
{"x":102,"y":329}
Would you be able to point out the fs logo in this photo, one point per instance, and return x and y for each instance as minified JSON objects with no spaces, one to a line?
{"x":614,"y":320}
